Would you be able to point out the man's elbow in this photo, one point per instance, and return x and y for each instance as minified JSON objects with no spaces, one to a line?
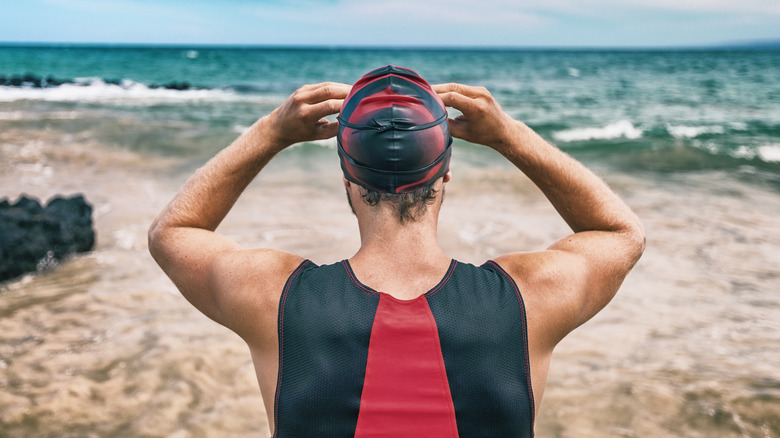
{"x":637,"y":239}
{"x":154,"y":238}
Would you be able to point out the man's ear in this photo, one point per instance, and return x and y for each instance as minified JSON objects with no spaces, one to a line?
{"x":447,"y":176}
{"x":346,"y":183}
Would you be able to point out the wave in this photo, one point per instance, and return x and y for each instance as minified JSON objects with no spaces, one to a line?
{"x":769,"y":153}
{"x":674,"y":147}
{"x":622,"y":128}
{"x":682,"y":131}
{"x":92,"y":89}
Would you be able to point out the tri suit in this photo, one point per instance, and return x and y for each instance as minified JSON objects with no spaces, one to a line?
{"x":357,"y":362}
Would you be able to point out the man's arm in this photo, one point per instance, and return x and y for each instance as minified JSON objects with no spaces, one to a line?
{"x":579,"y":274}
{"x":223,"y":281}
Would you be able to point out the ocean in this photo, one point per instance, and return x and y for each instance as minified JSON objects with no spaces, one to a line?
{"x":105,"y":346}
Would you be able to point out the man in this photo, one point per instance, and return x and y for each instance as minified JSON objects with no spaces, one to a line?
{"x":398,"y":340}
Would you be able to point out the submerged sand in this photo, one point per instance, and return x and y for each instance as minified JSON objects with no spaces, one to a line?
{"x":104,"y":345}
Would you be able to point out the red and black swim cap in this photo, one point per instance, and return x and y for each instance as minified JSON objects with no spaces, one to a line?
{"x":393,"y":134}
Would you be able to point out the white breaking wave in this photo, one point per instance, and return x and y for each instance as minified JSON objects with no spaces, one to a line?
{"x":693,"y":131}
{"x":743,"y":152}
{"x":769,"y":153}
{"x":241,"y":129}
{"x":96,"y":90}
{"x":622,"y":128}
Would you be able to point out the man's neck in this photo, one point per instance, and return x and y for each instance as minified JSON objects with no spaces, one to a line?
{"x":403,"y":260}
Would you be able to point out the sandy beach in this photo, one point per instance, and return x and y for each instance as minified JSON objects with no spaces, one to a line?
{"x":105,"y":346}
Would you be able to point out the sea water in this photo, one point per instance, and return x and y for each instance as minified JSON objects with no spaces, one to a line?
{"x":105,"y":346}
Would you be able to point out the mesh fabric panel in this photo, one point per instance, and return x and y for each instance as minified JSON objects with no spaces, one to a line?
{"x":482,"y":328}
{"x":326,"y":324}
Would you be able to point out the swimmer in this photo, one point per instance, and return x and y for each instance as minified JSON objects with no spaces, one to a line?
{"x":399,"y":339}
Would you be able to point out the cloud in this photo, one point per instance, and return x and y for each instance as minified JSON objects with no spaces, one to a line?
{"x":397,"y":22}
{"x":128,"y":20}
{"x":437,"y":12}
{"x":742,"y":7}
{"x":507,"y":16}
{"x":451,"y":12}
{"x":608,"y":7}
{"x":401,"y":22}
{"x":102,"y":6}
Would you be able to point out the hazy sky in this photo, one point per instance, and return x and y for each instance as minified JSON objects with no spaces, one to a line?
{"x":393,"y":23}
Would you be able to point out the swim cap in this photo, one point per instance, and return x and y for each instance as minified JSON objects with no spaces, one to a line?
{"x":393,"y":135}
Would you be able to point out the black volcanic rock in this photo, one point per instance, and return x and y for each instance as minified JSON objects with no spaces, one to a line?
{"x":34,"y":238}
{"x":32,"y":81}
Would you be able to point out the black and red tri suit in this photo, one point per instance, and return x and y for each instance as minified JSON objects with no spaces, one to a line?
{"x":357,"y":362}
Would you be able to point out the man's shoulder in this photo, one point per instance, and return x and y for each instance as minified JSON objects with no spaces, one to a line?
{"x":538,"y":268}
{"x":247,"y":285}
{"x":245,"y":267}
{"x":245,"y":288}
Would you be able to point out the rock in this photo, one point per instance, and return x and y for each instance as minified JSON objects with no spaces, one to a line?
{"x":177,"y":86}
{"x":32,"y":81}
{"x":34,"y":238}
{"x":29,"y":80}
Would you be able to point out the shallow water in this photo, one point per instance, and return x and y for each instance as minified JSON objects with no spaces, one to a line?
{"x":105,"y":346}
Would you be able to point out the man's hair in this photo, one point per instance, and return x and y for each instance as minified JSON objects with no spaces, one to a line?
{"x":409,"y":206}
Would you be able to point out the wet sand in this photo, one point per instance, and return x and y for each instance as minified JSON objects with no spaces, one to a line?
{"x":104,"y":345}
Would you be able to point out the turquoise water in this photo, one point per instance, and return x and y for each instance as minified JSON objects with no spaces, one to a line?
{"x":656,"y":111}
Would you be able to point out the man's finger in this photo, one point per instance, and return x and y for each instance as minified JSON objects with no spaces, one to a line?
{"x":309,"y":87}
{"x":322,"y":109}
{"x":323,"y":91}
{"x":458,"y":126}
{"x":456,"y":100}
{"x":325,"y":129}
{"x":466,"y":90}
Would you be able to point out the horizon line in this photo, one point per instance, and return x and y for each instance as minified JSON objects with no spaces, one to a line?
{"x":751,"y":44}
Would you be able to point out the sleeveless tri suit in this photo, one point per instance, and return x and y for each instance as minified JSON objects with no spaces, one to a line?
{"x":357,"y":362}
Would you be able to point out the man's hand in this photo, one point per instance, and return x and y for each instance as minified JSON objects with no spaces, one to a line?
{"x":302,"y":116}
{"x":483,"y":121}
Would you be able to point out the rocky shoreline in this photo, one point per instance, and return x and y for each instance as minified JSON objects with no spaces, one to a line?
{"x":34,"y":238}
{"x":29,"y":80}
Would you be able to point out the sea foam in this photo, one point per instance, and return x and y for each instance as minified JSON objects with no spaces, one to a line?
{"x":769,"y":153}
{"x":622,"y":128}
{"x":682,"y":131}
{"x":97,"y":90}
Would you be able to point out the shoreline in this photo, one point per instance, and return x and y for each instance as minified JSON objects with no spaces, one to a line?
{"x":105,"y":326}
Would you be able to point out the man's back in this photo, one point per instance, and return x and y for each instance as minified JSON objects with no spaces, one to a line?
{"x":353,"y":360}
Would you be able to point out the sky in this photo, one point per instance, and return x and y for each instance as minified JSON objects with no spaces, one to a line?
{"x":480,"y":23}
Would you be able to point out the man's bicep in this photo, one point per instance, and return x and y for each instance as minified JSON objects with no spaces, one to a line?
{"x":605,"y":258}
{"x":595,"y":263}
{"x":570,"y":282}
